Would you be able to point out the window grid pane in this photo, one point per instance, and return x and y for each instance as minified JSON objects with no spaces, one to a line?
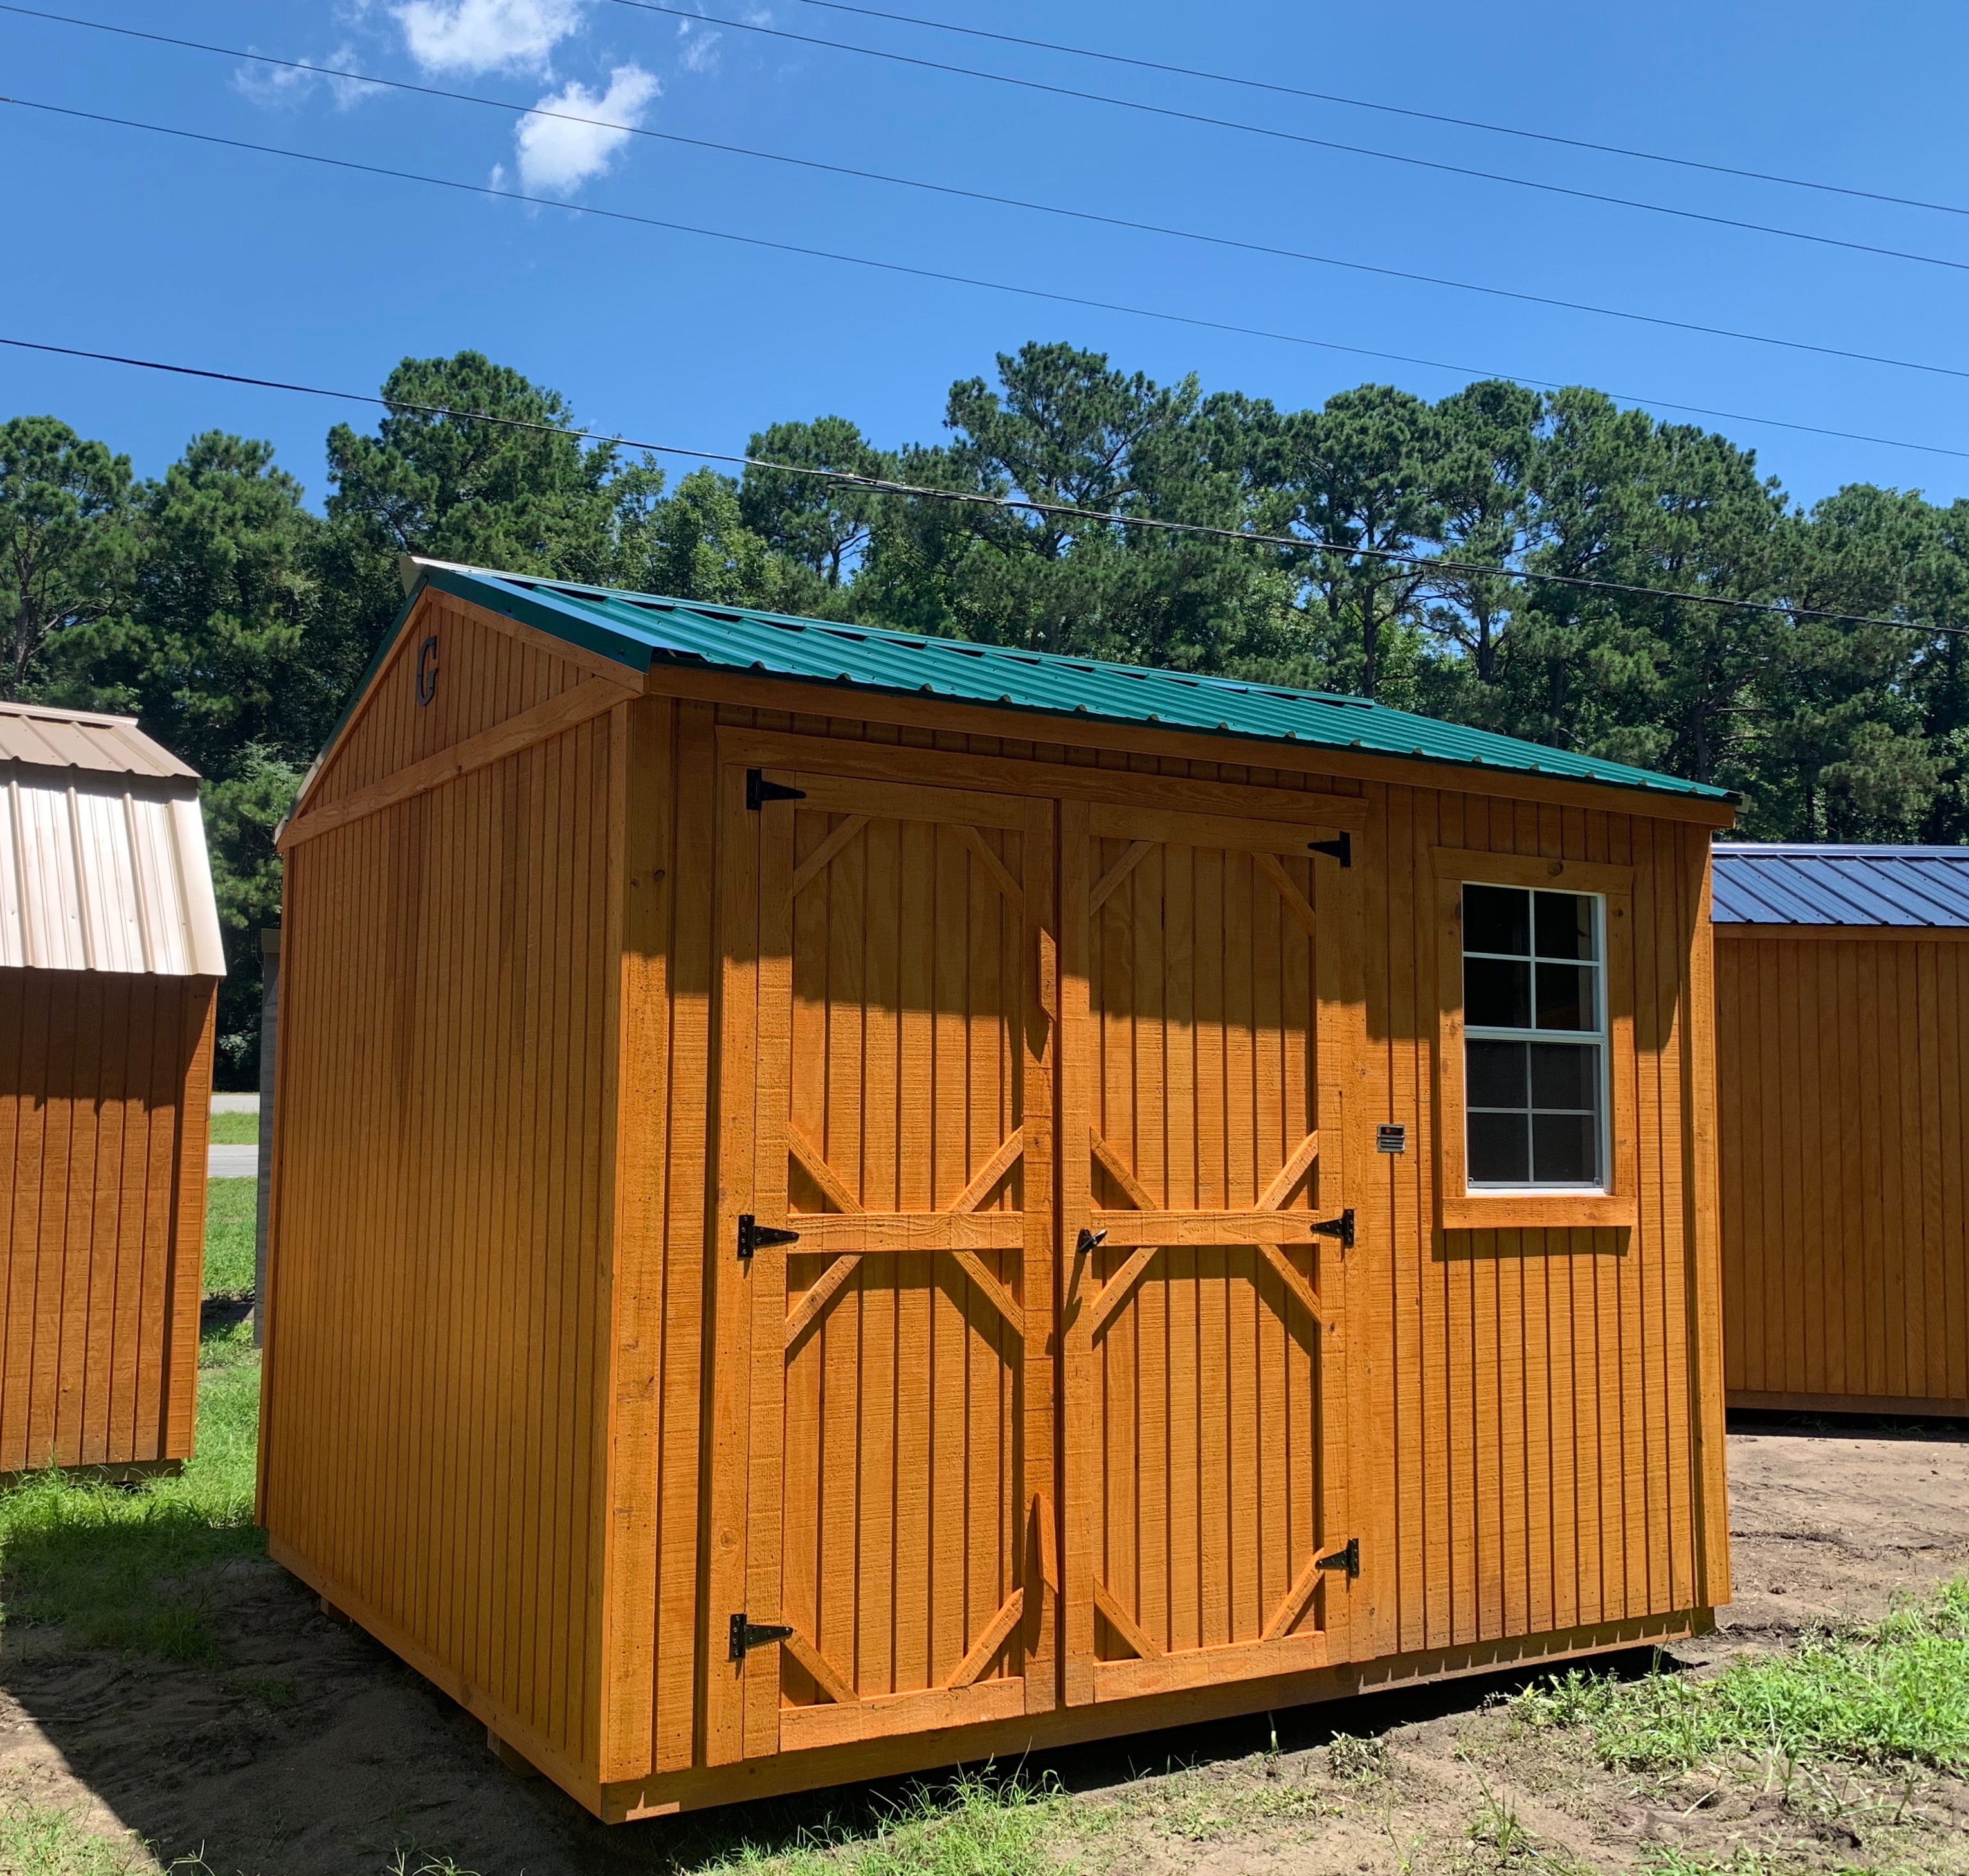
{"x":1534,"y":1013}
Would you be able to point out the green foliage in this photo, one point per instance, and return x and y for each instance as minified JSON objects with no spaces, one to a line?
{"x":64,"y":548}
{"x":1898,"y":1691}
{"x":231,"y":1221}
{"x":236,"y":623}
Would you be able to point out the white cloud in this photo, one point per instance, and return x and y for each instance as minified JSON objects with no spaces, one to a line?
{"x":700,"y":49}
{"x":271,"y":87}
{"x":558,"y":155}
{"x":487,"y":35}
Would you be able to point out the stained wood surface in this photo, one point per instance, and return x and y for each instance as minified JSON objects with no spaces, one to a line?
{"x":1840,"y":1066}
{"x":529,"y":1408}
{"x":487,"y":669}
{"x":435,"y":1418}
{"x":881,"y":1047}
{"x":1204,"y":1049}
{"x":104,"y":1083}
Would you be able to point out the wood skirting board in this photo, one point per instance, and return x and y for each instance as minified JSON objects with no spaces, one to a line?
{"x":1073,"y":1726}
{"x":792,"y":1771}
{"x":1745,"y":1399}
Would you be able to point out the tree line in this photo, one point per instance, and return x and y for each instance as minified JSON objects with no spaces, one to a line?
{"x":234,"y":621}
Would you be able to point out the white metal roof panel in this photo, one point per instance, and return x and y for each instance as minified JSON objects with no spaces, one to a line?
{"x":1782,"y":883}
{"x":49,"y":738}
{"x":98,"y":872}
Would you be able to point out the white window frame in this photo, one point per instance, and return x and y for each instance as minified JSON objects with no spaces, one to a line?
{"x":1601,"y":1038}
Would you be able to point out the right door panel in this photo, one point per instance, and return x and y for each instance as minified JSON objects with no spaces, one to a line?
{"x":1209,"y":1009}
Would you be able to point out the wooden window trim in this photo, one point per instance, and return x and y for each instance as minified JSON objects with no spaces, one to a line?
{"x":1457,"y":1208}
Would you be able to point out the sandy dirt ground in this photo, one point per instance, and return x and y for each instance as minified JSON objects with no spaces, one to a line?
{"x":315,"y":1753}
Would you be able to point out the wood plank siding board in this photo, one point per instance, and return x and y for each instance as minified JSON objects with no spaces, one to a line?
{"x":102,"y":1120}
{"x":1840,"y":1059}
{"x":531,"y":1419}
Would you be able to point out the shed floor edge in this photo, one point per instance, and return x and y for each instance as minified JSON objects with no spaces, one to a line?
{"x":581,"y":1782}
{"x":1939,"y":1406}
{"x":705,"y":1786}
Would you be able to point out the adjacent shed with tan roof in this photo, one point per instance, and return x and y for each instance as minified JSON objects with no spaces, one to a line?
{"x":110,"y":959}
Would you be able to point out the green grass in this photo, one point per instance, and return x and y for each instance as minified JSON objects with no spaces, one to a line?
{"x":978,"y":1824}
{"x":42,"y":1840}
{"x":235,"y":1130}
{"x":120,"y":1568}
{"x":230,"y":1208}
{"x":1896,"y":1692}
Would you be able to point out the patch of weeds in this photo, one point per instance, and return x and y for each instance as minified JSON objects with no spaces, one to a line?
{"x":137,"y":1569}
{"x":1357,"y":1761}
{"x":408,"y":1860}
{"x":43,"y":1840}
{"x":1666,"y":1860}
{"x":977,"y":1824}
{"x":1897,"y":1691}
{"x":272,"y":1692}
{"x":232,"y":1212}
{"x":1497,"y":1838}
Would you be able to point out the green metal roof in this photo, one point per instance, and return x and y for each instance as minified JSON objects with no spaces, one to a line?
{"x":641,"y":631}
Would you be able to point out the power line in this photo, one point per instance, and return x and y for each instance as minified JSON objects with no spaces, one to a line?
{"x":1263,"y":130}
{"x":1390,"y":110}
{"x":756,"y":241}
{"x":1000,"y":78}
{"x":877,"y":485}
{"x":982,"y":196}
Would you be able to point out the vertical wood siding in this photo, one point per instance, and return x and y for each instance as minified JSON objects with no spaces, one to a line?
{"x":1534,"y":1452}
{"x":432,"y":1448}
{"x":1840,"y":1064}
{"x":484,"y":675}
{"x":104,"y":1082}
{"x":497,"y":1423}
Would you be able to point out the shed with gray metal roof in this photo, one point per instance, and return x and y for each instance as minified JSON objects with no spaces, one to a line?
{"x":1842,"y":976}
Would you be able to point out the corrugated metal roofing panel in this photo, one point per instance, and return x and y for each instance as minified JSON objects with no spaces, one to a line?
{"x":1786,"y":883}
{"x":94,"y":877}
{"x":48,"y":738}
{"x":641,"y":629}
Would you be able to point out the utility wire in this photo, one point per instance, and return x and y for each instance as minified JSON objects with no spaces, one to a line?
{"x":1390,"y":110}
{"x":975,"y":195}
{"x":1000,"y":78}
{"x":878,"y":485}
{"x":644,"y":221}
{"x":1264,"y":130}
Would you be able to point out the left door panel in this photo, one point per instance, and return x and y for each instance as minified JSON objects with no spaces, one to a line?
{"x":882,"y":1467}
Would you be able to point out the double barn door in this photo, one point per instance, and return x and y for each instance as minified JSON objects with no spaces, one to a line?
{"x":1033,"y":1230}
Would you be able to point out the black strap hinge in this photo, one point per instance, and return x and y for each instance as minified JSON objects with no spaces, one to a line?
{"x":1341,"y":1228}
{"x":754,"y":1237}
{"x":1341,"y":850}
{"x":1348,"y":1558}
{"x":746,"y":1636}
{"x":759,"y":791}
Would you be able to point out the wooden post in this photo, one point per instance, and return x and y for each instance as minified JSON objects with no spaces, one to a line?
{"x":269,"y":1023}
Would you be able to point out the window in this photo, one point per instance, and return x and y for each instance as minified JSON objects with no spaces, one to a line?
{"x":1535,"y":1075}
{"x":1535,"y":1039}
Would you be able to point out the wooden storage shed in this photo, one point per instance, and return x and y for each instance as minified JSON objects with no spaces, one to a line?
{"x":1842,"y":985}
{"x":846,"y":1202}
{"x":110,"y":960}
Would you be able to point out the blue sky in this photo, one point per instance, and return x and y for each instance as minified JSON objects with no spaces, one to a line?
{"x":124,"y":241}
